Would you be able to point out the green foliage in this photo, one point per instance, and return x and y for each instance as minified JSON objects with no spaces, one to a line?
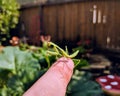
{"x":41,"y":54}
{"x":18,"y":69}
{"x":82,"y":84}
{"x":51,"y":52}
{"x":21,"y":66}
{"x":8,"y":17}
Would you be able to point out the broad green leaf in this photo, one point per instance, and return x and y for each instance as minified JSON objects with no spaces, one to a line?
{"x":18,"y":78}
{"x":81,"y":84}
{"x":7,"y":59}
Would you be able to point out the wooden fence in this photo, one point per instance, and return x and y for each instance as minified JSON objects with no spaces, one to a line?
{"x":70,"y":21}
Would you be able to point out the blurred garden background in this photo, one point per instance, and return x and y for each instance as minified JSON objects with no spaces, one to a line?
{"x":35,"y":33}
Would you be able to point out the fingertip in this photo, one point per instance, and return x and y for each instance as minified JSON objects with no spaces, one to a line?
{"x":68,"y":61}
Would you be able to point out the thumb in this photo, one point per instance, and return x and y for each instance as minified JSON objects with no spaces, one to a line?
{"x":54,"y":80}
{"x":65,"y":68}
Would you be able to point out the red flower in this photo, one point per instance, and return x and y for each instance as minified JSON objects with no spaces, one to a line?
{"x":87,"y":42}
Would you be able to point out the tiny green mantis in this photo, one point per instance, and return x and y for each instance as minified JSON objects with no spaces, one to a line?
{"x":63,"y":53}
{"x":60,"y":51}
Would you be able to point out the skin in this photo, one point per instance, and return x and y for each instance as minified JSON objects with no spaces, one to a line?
{"x":54,"y":82}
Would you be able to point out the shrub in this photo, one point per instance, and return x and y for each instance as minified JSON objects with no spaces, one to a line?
{"x":9,"y":15}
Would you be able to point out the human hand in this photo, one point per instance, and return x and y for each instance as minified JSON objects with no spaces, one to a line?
{"x":54,"y":82}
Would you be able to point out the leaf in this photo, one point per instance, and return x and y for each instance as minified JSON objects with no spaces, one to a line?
{"x":9,"y":15}
{"x":20,"y":77}
{"x":7,"y":59}
{"x":82,"y":85}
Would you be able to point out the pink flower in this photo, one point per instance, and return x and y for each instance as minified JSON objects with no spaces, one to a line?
{"x":45,"y":38}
